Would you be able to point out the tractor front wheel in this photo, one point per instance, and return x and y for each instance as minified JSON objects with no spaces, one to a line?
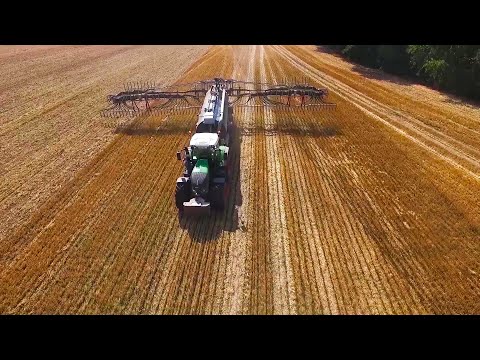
{"x":217,"y":198}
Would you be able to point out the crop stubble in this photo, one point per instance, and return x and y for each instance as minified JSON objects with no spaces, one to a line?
{"x":330,"y":212}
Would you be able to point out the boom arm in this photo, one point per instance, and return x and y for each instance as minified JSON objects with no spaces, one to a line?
{"x":152,"y":99}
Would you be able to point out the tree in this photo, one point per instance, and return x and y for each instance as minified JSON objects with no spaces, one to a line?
{"x":454,"y":68}
{"x":393,"y":58}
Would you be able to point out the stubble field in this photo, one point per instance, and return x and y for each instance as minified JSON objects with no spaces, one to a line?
{"x":372,"y":208}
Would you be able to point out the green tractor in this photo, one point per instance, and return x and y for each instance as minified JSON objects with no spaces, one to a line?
{"x":204,"y":184}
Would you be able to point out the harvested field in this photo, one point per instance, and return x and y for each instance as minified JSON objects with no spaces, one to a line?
{"x":49,"y":121}
{"x":372,"y":208}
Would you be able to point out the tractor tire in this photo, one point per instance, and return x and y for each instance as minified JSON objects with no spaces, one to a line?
{"x":217,"y":198}
{"x":182,"y":192}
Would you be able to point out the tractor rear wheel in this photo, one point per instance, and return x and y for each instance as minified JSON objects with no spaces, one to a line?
{"x":217,"y":198}
{"x":181,"y":194}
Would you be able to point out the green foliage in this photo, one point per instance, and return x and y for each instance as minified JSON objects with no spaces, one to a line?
{"x":436,"y":71}
{"x":363,"y":54}
{"x":454,"y":68}
{"x":393,"y":58}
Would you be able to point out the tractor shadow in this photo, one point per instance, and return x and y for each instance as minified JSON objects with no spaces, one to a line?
{"x":210,"y":228}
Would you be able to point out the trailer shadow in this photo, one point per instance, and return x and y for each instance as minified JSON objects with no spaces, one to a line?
{"x":296,"y":123}
{"x":210,"y":228}
{"x":152,"y":129}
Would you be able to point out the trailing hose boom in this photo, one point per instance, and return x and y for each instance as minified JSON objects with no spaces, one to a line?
{"x":149,"y":98}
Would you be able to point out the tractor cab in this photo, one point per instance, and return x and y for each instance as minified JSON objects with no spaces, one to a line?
{"x":206,"y":146}
{"x":203,"y":140}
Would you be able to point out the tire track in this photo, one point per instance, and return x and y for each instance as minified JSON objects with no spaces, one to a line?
{"x":38,"y":160}
{"x":51,"y":239}
{"x":428,"y":104}
{"x":364,"y":258}
{"x":283,"y":285}
{"x":398,"y":232}
{"x":237,"y":278}
{"x":364,"y":104}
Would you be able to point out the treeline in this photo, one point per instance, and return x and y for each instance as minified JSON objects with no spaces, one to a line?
{"x":454,"y":68}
